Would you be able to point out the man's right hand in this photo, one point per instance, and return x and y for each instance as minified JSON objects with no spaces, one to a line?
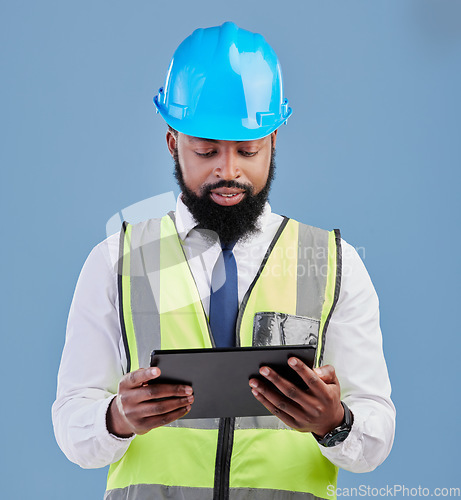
{"x":140,"y":406}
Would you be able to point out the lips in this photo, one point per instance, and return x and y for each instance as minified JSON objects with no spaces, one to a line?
{"x":227,"y":196}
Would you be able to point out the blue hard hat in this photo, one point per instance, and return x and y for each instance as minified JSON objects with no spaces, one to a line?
{"x":224,"y":83}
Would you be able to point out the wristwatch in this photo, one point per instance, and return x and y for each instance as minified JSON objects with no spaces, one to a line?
{"x":340,"y":433}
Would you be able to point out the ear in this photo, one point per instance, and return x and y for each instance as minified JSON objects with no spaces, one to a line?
{"x":274,"y":137}
{"x":171,"y":142}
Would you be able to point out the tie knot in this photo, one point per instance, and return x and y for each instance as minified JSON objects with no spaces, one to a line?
{"x":228,"y":246}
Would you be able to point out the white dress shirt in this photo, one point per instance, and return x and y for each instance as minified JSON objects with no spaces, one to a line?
{"x":94,"y":359}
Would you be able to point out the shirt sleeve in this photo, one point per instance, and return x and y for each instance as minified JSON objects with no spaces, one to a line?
{"x":353,"y":346}
{"x":91,"y":366}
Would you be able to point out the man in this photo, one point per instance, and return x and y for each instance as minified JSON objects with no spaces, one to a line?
{"x":154,"y":286}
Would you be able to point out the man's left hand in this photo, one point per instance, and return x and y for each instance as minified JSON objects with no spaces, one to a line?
{"x":317,"y":409}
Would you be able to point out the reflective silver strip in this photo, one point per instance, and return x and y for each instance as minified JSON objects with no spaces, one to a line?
{"x":265,"y":494}
{"x":145,"y":287}
{"x":161,"y":492}
{"x":196,"y":423}
{"x":241,"y":423}
{"x":312,"y":271}
{"x":263,"y":422}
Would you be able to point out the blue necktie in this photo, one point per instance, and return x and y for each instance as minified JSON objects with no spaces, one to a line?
{"x":224,"y":298}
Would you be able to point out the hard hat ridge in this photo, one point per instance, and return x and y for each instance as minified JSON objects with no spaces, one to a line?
{"x":224,"y":83}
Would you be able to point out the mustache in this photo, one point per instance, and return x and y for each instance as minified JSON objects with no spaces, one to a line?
{"x":207,"y":188}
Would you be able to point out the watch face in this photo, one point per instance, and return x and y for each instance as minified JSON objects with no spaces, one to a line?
{"x":337,"y":438}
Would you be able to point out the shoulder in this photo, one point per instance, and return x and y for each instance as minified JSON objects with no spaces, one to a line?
{"x":107,"y":251}
{"x":352,"y":263}
{"x":100,"y":265}
{"x":357,"y":290}
{"x":312,"y":236}
{"x":353,"y":267}
{"x":306,"y":227}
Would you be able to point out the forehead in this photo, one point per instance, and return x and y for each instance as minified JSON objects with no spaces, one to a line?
{"x":202,"y":140}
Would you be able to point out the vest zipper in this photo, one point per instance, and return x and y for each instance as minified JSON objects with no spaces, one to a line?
{"x":223,"y":459}
{"x":226,"y":425}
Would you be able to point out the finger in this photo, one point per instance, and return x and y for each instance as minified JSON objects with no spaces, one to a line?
{"x":276,"y":399}
{"x":156,"y":408}
{"x":160,"y":391}
{"x":290,"y":390}
{"x":327,"y":373}
{"x":139,"y":377}
{"x":315,"y":384}
{"x":138,"y":413}
{"x":275,"y":410}
{"x":152,"y":422}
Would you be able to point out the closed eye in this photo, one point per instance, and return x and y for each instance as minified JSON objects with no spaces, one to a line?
{"x":248,"y":154}
{"x":208,"y":154}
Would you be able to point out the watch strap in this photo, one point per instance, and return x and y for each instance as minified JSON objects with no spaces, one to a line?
{"x":339,"y":433}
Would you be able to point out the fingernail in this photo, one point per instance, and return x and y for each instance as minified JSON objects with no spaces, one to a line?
{"x":190,"y":399}
{"x":255,"y":393}
{"x":188,"y":408}
{"x":154,"y":372}
{"x":264,"y":371}
{"x":188,"y":390}
{"x":292,"y":361}
{"x":253,"y":383}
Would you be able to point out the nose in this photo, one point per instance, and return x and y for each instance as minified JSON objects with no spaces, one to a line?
{"x":227,"y":166}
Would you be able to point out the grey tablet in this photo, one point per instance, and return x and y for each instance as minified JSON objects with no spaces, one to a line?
{"x":220,"y":377}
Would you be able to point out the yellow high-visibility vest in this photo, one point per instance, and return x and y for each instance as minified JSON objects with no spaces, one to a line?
{"x":289,"y":302}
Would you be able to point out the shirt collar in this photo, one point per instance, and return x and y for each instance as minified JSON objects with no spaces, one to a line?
{"x":185,"y":222}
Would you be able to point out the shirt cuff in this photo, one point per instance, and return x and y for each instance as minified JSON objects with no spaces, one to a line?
{"x":108,"y":441}
{"x":349,"y":454}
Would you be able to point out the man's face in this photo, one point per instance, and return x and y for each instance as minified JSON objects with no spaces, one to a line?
{"x":225,"y":184}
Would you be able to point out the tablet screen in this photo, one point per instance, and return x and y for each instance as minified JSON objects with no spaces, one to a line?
{"x":220,"y":377}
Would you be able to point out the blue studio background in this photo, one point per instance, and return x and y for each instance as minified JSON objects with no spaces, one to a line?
{"x":373,"y":147}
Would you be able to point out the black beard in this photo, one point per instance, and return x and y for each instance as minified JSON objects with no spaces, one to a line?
{"x":229,"y":223}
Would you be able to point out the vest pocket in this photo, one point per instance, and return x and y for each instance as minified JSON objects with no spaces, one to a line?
{"x":274,"y":328}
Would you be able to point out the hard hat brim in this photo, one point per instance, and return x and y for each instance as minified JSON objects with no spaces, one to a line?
{"x":218,"y":128}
